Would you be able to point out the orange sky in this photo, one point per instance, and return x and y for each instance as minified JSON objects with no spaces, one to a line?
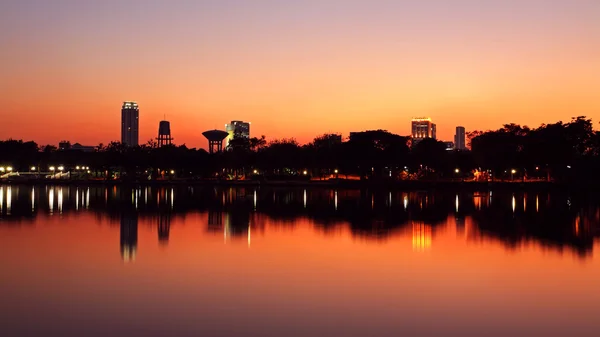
{"x":294,"y":70}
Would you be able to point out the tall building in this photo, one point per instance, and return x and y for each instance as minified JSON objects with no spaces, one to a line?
{"x":422,"y":128}
{"x":459,"y":138}
{"x":237,"y":129}
{"x":130,"y":119}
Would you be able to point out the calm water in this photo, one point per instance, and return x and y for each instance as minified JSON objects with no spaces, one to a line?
{"x":95,"y":261}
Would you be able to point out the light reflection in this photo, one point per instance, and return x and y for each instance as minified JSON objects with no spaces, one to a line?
{"x":456,"y":203}
{"x":172,"y":197}
{"x":60,"y":200}
{"x":390,"y":200}
{"x":304,"y":198}
{"x":335,"y":200}
{"x":51,"y":200}
{"x":421,"y":237}
{"x":1,"y":199}
{"x":405,"y":201}
{"x":32,"y":199}
{"x":77,"y":199}
{"x":8,"y":200}
{"x":87,"y":199}
{"x":537,"y":203}
{"x":249,"y":236}
{"x":525,"y":203}
{"x":514,"y":203}
{"x":255,"y":197}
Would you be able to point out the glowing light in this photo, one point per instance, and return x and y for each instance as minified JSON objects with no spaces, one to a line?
{"x":52,"y":168}
{"x":255,"y":171}
{"x":33,"y":168}
{"x":172,"y":171}
{"x":77,"y":167}
{"x":456,"y":170}
{"x":9,"y":169}
{"x":335,"y":171}
{"x":305,"y":172}
{"x":61,"y":168}
{"x":513,"y":171}
{"x":32,"y":199}
{"x":1,"y":169}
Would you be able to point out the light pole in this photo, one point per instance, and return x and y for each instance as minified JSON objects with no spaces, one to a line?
{"x":336,"y":173}
{"x":512,"y":173}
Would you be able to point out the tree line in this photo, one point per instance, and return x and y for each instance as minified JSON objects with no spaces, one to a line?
{"x":559,"y":152}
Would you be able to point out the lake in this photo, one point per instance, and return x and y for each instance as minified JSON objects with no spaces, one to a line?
{"x":205,"y":261}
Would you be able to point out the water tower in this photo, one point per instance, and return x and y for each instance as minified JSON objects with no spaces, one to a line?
{"x":164,"y":134}
{"x":215,"y":140}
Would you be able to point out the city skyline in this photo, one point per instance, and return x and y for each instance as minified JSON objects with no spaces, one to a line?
{"x":302,"y":69}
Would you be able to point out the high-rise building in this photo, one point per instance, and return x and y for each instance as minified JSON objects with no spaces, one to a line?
{"x":237,"y":129}
{"x":422,"y":128}
{"x":130,"y":120}
{"x":459,"y":138}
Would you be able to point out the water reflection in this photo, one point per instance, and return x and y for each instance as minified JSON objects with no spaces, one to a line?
{"x":129,"y":236}
{"x":562,"y":222}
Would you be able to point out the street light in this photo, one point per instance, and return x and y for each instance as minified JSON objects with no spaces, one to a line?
{"x":456,"y":171}
{"x":9,"y":169}
{"x":335,"y":171}
{"x":52,"y":168}
{"x":77,"y":167}
{"x":61,"y":168}
{"x":305,"y":172}
{"x":172,"y":172}
{"x":1,"y":169}
{"x":32,"y":168}
{"x":512,"y":172}
{"x":255,"y":171}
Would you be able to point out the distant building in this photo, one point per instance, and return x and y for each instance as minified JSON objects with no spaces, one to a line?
{"x":237,"y":129}
{"x":422,"y":128}
{"x":449,"y":146}
{"x":82,"y":148}
{"x":459,"y":138}
{"x":164,"y":134}
{"x":130,"y":124}
{"x":66,"y":146}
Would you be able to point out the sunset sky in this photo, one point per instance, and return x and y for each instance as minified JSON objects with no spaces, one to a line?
{"x":293,"y":68}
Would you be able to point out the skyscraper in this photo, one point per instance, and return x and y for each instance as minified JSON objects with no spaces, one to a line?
{"x":422,"y":128}
{"x":130,"y":124}
{"x":459,"y":138}
{"x":237,"y":129}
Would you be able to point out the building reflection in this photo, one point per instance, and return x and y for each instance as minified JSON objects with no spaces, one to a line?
{"x":164,"y":227}
{"x":129,"y":236}
{"x":422,"y":236}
